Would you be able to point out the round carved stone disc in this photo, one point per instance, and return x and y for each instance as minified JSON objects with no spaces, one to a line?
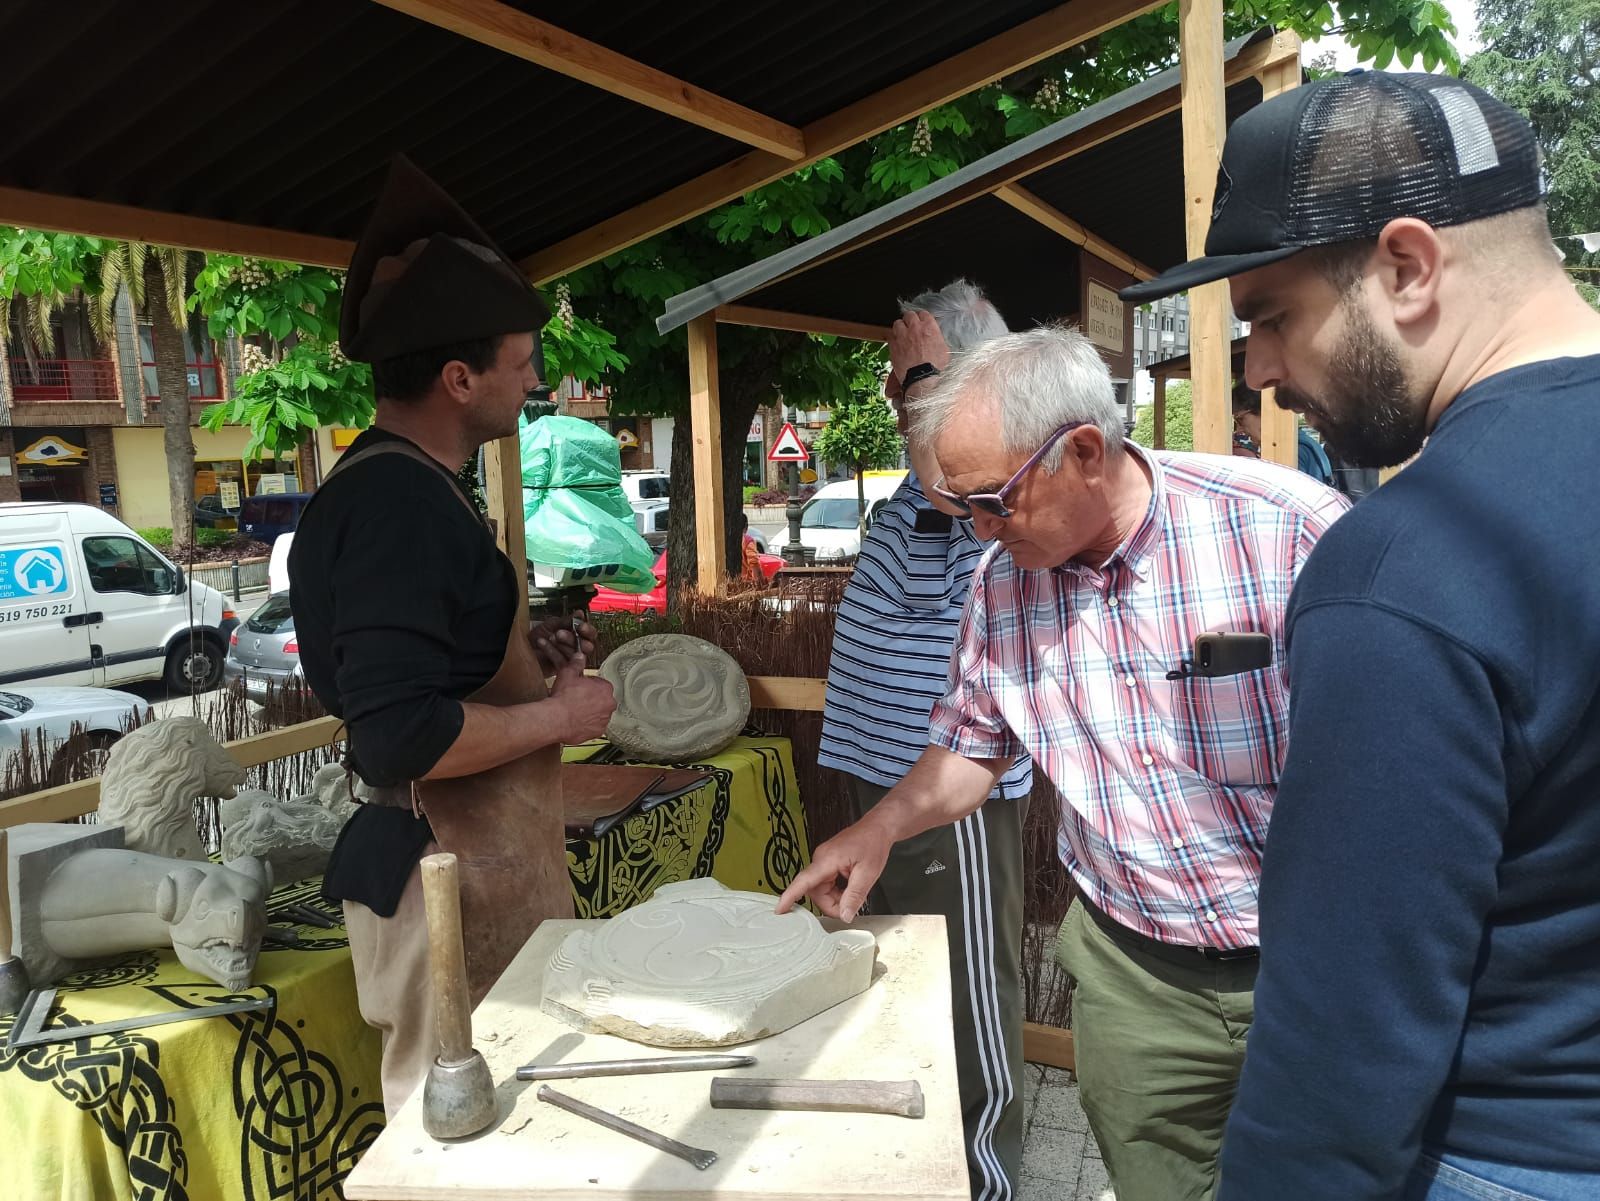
{"x":678,"y":698}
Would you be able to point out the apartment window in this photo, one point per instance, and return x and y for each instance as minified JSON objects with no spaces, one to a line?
{"x":1138,"y":318}
{"x":1183,"y":325}
{"x":204,"y":380}
{"x":1166,"y":324}
{"x":1136,"y":362}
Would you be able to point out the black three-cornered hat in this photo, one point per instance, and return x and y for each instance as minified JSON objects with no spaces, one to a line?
{"x":425,"y":274}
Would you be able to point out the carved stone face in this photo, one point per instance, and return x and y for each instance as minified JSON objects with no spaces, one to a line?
{"x":217,"y":916}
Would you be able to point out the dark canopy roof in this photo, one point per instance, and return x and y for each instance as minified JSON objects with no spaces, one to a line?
{"x":1123,"y":184}
{"x":284,"y":115}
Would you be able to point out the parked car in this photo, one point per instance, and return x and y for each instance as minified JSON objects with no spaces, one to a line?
{"x":73,"y":728}
{"x":266,"y":516}
{"x":263,"y":654}
{"x":830,"y":523}
{"x":210,"y":515}
{"x":654,"y":602}
{"x":85,"y":600}
{"x":649,"y":492}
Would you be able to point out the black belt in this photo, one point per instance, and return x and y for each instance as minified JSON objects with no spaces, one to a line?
{"x":1144,"y":942}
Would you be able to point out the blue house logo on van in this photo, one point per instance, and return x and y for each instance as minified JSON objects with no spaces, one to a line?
{"x":31,"y":571}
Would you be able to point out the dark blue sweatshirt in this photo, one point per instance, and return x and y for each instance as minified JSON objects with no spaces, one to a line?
{"x":1430,"y":893}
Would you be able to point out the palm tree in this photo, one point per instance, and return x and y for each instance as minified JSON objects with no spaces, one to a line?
{"x":157,"y":279}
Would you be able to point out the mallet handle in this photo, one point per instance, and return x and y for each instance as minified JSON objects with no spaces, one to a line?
{"x":447,"y":957}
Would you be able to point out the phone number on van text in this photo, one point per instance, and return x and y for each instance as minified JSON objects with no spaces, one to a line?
{"x":34,"y":612}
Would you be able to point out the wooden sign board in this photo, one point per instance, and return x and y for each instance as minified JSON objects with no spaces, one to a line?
{"x":1104,"y":318}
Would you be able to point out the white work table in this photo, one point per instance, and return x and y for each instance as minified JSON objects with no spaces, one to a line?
{"x":898,"y":1029}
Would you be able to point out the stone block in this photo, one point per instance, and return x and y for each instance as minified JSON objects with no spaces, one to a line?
{"x":36,"y":849}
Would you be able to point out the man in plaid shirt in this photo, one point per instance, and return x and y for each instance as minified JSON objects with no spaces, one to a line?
{"x":1075,"y":648}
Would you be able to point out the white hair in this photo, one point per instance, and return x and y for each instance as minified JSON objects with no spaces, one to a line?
{"x":964,"y":315}
{"x":1036,"y":381}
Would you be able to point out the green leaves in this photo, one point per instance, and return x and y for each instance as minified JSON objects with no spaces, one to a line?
{"x":309,"y":387}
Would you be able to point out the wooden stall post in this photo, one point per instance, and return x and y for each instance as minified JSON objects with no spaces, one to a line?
{"x":502,"y":492}
{"x":705,"y":417}
{"x":1200,"y":52}
{"x":1279,"y":431}
{"x":1160,"y":416}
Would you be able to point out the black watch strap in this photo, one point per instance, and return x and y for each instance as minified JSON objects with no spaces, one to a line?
{"x":915,"y":375}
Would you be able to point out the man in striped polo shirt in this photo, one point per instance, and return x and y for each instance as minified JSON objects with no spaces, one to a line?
{"x":891,"y":662}
{"x":1075,"y":649}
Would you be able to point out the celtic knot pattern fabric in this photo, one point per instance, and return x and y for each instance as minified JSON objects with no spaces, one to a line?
{"x":271,"y":1105}
{"x":745,"y":828}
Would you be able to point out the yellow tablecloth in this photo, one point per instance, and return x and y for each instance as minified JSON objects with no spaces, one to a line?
{"x":280,"y":1104}
{"x":262,"y":1105}
{"x":745,"y":828}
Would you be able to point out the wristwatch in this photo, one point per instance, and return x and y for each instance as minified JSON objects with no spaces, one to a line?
{"x":915,"y":375}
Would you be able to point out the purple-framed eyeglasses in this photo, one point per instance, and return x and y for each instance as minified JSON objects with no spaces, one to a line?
{"x":994,"y":503}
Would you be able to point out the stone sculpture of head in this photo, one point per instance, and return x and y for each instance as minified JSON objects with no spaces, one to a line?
{"x":217,"y":916}
{"x":151,"y":777}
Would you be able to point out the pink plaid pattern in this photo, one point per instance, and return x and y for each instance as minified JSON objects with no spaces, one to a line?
{"x":1166,"y":785}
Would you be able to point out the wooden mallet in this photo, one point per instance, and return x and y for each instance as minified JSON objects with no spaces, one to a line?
{"x":458,"y":1095}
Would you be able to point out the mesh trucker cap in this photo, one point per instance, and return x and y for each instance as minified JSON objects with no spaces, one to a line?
{"x":1337,"y":160}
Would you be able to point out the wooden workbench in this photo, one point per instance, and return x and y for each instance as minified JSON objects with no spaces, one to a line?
{"x":899,"y":1029}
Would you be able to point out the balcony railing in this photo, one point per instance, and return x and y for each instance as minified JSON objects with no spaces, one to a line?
{"x":35,"y":380}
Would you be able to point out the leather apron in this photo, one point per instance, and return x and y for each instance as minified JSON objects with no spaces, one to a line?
{"x":504,"y":825}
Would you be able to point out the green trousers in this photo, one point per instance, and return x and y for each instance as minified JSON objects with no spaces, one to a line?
{"x":971,"y":872}
{"x":1159,"y":1037}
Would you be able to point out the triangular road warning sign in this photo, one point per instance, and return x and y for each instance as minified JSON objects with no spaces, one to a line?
{"x":788,"y":448}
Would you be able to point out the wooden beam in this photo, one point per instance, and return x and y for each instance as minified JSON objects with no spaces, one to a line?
{"x":1200,"y":50}
{"x":1279,"y":427}
{"x":802,"y":694}
{"x":705,"y":415}
{"x":68,"y":214}
{"x":83,"y":796}
{"x":516,"y":33}
{"x":1049,"y":1045}
{"x":1047,"y":215}
{"x":502,"y":494}
{"x":1047,"y":34}
{"x":1160,"y":416}
{"x":741,"y":314}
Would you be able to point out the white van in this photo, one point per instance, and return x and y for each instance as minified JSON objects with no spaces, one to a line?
{"x":85,"y":600}
{"x":830,"y":522}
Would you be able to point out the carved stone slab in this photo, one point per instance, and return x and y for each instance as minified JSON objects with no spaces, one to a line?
{"x":295,"y":837}
{"x":678,"y":698}
{"x":699,"y":965}
{"x":36,"y":850}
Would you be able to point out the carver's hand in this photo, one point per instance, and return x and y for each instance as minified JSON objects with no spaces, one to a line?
{"x":857,"y":855}
{"x":554,"y":643}
{"x":587,"y":702}
{"x":915,"y":338}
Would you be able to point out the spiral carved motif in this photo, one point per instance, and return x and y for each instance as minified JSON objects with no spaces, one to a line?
{"x":677,"y":697}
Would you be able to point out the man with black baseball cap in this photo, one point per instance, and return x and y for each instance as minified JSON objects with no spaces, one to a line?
{"x":1426,"y":1011}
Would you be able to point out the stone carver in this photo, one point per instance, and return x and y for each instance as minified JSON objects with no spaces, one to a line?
{"x":151,"y":779}
{"x":108,"y":902}
{"x":295,"y":837}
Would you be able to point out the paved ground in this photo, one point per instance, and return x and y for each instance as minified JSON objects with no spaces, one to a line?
{"x":1060,"y":1161}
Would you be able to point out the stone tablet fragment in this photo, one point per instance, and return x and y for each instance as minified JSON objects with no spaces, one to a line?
{"x":699,"y":965}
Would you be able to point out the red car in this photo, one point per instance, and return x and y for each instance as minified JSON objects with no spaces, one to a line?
{"x":654,"y":602}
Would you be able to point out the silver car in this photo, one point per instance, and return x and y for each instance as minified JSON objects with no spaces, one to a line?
{"x":263,"y":654}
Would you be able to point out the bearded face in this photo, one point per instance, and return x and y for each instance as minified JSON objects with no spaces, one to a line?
{"x":1365,"y":409}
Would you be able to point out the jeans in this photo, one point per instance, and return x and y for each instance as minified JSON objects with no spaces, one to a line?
{"x":1456,"y":1178}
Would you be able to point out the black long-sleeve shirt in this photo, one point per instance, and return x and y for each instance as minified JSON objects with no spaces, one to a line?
{"x":402,"y":605}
